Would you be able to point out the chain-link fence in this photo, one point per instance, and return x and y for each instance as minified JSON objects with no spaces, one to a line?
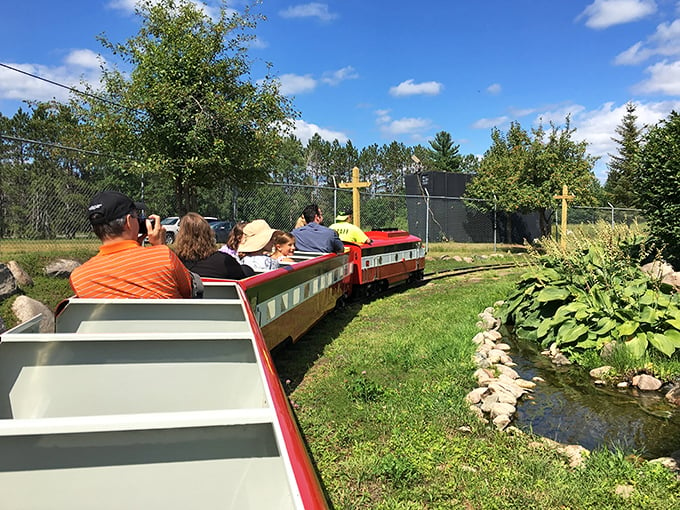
{"x":41,"y":214}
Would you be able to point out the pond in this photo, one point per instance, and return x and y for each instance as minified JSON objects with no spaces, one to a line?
{"x":570,"y":409}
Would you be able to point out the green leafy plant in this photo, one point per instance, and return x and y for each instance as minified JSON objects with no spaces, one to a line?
{"x":361,"y":388}
{"x":593,"y":294}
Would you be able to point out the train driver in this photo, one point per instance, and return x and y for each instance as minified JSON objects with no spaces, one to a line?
{"x":347,"y":231}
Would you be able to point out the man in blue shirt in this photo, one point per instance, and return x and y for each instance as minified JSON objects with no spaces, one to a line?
{"x":315,"y":237}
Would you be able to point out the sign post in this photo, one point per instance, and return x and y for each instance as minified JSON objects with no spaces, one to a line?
{"x":355,"y":185}
{"x":565,"y":196}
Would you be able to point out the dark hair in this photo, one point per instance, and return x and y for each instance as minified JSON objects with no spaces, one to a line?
{"x":310,"y":212}
{"x":195,"y":239}
{"x":235,"y":235}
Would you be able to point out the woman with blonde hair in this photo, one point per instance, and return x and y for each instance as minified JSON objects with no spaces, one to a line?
{"x":195,"y":246}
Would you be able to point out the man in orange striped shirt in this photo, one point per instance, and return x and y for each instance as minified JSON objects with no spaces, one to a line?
{"x":123,"y":268}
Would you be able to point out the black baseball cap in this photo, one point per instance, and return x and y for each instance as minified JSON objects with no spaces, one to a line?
{"x":107,"y":206}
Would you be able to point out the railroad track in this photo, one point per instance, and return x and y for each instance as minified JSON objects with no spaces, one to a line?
{"x":427,"y":277}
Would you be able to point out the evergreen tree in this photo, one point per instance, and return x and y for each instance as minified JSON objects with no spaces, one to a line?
{"x":444,"y":153}
{"x":619,"y":188}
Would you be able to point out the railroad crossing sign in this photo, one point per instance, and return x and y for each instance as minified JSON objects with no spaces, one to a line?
{"x":355,"y":185}
{"x":565,"y":196}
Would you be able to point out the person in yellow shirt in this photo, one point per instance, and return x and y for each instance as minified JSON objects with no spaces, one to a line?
{"x":348,"y":231}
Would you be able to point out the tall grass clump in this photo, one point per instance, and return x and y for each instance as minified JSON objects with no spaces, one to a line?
{"x":594,"y":298}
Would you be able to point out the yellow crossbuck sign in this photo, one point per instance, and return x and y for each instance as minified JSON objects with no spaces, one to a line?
{"x":565,"y":196}
{"x":355,"y":185}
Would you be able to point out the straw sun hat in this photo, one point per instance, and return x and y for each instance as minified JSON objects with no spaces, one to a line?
{"x":256,"y":235}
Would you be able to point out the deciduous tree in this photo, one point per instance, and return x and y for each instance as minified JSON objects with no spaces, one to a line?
{"x":187,"y":110}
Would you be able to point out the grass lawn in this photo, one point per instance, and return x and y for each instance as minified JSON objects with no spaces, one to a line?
{"x":379,"y":393}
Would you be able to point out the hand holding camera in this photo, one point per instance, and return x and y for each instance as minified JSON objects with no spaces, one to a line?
{"x":152,"y":228}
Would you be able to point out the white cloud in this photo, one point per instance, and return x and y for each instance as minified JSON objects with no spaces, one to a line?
{"x":408,"y":88}
{"x":83,"y":58}
{"x":305,"y":130}
{"x":490,"y":123}
{"x":599,"y":126}
{"x":494,"y":89}
{"x":335,"y":77}
{"x":17,"y":86}
{"x":664,"y":78}
{"x":310,"y":10}
{"x":213,"y":11}
{"x":520,"y":112}
{"x":664,"y":41}
{"x":558,"y":114}
{"x":605,"y":13}
{"x":296,"y":84}
{"x":413,"y":126}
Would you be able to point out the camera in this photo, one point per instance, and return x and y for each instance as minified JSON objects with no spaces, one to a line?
{"x":142,"y":225}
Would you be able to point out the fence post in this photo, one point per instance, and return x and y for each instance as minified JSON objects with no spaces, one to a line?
{"x":495,"y":222}
{"x":612,"y":208}
{"x":427,"y":220}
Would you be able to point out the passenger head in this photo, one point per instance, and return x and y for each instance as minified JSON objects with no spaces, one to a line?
{"x":108,"y":214}
{"x":235,"y":235}
{"x":195,"y":239}
{"x":300,"y":222}
{"x":343,"y":216}
{"x":257,"y":238}
{"x":312,"y":213}
{"x":284,"y":242}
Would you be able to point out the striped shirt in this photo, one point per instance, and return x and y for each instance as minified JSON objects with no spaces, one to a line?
{"x":124,"y":269}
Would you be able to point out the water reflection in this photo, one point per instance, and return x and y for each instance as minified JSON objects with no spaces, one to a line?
{"x":570,"y":409}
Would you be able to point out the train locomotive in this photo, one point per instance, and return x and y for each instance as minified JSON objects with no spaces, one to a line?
{"x":176,"y":403}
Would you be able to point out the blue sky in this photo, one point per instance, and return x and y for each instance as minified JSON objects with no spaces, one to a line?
{"x":374,"y":71}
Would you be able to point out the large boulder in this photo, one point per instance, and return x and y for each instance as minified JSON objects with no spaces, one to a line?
{"x":21,"y":276}
{"x":26,"y":308}
{"x":8,"y":284}
{"x":61,"y":268}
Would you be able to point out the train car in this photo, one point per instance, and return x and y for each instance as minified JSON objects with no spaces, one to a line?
{"x":176,"y":403}
{"x":144,"y":404}
{"x":393,"y":257}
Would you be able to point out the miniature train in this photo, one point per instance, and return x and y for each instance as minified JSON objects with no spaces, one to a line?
{"x":176,"y":403}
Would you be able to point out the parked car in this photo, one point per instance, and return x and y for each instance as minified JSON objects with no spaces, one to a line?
{"x":221,"y":229}
{"x":171,"y":224}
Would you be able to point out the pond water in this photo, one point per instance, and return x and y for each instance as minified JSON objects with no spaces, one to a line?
{"x":570,"y":409}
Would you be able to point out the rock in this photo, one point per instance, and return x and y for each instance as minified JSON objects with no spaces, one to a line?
{"x":657,"y":269}
{"x":561,"y":360}
{"x":475,"y":396}
{"x":501,"y":421}
{"x":668,"y":463}
{"x":622,"y":384}
{"x":646,"y":382}
{"x":502,"y":369}
{"x":498,"y":387}
{"x":503,"y":347}
{"x":458,"y":258}
{"x":479,"y":338}
{"x":469,"y":260}
{"x":487,"y":321}
{"x":673,"y":395}
{"x":483,"y":376}
{"x":500,"y":409}
{"x":488,"y":402}
{"x":8,"y":284}
{"x":26,"y":308}
{"x":492,"y":335}
{"x":599,"y":382}
{"x":672,"y":279}
{"x":575,"y":453}
{"x":495,"y":356}
{"x":21,"y":276}
{"x":444,"y":257}
{"x":61,"y":268}
{"x":524,"y":384}
{"x":537,"y":379}
{"x":478,"y":413}
{"x":597,"y":373}
{"x":608,"y":349}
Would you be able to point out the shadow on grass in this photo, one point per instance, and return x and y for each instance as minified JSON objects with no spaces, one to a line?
{"x":293,"y":360}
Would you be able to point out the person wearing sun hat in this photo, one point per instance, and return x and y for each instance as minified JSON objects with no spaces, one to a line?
{"x":347,"y":231}
{"x":256,"y":246}
{"x":123,"y":268}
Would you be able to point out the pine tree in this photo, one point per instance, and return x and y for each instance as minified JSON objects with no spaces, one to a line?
{"x":619,"y":188}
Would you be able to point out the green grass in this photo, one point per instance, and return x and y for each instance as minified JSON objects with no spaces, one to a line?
{"x":379,"y":392}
